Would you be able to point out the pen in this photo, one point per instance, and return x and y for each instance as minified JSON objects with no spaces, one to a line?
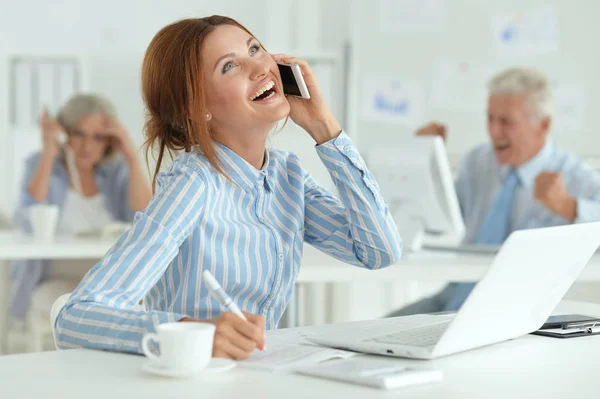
{"x":219,"y":293}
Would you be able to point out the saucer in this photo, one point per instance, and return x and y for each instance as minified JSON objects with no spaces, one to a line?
{"x":216,"y":365}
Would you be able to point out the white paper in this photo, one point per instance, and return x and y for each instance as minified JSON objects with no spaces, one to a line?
{"x":460,"y":86}
{"x":570,"y":105}
{"x":288,"y":349}
{"x":530,"y":34}
{"x":282,"y":357}
{"x":289,"y":357}
{"x":403,"y":16}
{"x":400,"y":102}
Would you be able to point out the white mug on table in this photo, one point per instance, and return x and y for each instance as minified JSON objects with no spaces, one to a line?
{"x":44,"y":220}
{"x":184,"y":347}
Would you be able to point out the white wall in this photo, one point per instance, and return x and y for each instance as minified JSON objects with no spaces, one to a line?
{"x":466,"y":36}
{"x":111,"y":37}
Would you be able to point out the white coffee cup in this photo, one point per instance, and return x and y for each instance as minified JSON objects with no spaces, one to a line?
{"x":43,"y":219}
{"x":185,"y":348}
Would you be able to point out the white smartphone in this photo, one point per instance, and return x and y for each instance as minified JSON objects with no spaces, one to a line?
{"x":293,"y":82}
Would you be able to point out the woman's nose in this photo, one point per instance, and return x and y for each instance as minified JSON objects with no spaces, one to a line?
{"x":259,"y":70}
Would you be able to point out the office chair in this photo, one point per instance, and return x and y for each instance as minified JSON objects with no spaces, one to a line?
{"x":56,"y":308}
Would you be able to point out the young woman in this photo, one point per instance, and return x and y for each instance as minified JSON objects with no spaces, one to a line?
{"x":227,"y":204}
{"x":111,"y":180}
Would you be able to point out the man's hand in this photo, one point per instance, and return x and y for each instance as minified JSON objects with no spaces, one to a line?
{"x":550,"y":190}
{"x":433,"y":129}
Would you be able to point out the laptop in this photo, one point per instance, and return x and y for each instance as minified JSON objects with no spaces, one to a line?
{"x":475,"y":249}
{"x":525,"y":282}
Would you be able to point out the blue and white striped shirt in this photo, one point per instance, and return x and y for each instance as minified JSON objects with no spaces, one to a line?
{"x":248,"y":234}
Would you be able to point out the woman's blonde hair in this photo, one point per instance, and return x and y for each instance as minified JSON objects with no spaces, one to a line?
{"x":81,"y":105}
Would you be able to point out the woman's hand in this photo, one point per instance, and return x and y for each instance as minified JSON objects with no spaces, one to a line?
{"x":120,"y":139}
{"x":236,"y":338}
{"x":51,"y":130}
{"x":312,"y":115}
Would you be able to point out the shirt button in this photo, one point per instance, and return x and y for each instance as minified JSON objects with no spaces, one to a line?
{"x":347,"y":148}
{"x":280,"y":256}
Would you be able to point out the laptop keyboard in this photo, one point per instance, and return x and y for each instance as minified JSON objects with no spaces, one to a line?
{"x":420,"y":336}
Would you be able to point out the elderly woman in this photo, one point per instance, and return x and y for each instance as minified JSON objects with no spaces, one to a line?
{"x":104,"y":184}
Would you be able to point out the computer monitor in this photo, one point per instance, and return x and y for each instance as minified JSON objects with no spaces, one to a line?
{"x":416,"y":181}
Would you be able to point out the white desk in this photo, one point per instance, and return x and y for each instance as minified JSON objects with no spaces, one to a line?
{"x":439,"y":266}
{"x":527,"y":367}
{"x":316,"y":266}
{"x":16,"y":246}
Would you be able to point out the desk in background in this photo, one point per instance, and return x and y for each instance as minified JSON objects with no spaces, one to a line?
{"x":16,"y":246}
{"x":526,"y":367}
{"x":317,"y":267}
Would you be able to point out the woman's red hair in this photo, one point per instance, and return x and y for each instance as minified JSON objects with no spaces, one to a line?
{"x":172,"y":88}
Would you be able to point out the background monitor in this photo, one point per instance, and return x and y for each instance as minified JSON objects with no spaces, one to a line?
{"x":416,"y":181}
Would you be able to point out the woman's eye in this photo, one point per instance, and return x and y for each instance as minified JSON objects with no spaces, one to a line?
{"x":254,"y":49}
{"x":227,"y":66}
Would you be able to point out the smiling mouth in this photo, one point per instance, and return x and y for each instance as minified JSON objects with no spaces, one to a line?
{"x":265,"y":92}
{"x":501,"y":147}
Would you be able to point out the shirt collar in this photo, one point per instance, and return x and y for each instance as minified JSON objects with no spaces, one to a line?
{"x":240,"y":171}
{"x":532,"y":168}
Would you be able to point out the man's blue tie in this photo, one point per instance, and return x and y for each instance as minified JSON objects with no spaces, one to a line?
{"x":493,"y":231}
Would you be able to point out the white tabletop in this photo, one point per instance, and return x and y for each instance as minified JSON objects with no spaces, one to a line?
{"x":15,"y":246}
{"x":427,"y":265}
{"x":527,"y":367}
{"x":316,"y":266}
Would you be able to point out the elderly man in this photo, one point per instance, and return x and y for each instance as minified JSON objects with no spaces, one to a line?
{"x":519,"y":180}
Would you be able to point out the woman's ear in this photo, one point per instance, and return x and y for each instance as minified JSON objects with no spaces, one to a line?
{"x":207,"y":115}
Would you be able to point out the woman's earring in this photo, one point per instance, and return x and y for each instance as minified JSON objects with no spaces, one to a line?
{"x":207,"y":116}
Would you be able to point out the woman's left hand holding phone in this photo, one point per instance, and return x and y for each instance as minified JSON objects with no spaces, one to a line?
{"x":51,"y":131}
{"x":313,"y":115}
